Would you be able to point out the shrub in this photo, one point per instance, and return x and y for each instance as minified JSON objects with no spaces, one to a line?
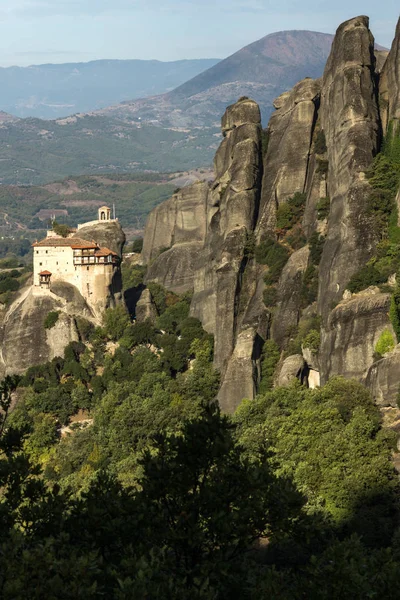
{"x":51,"y":319}
{"x":365,"y":277}
{"x":323,"y":207}
{"x":385,"y":343}
{"x":61,"y":229}
{"x":269,"y":359}
{"x":9,"y":284}
{"x":85,"y":328}
{"x":115,"y":321}
{"x":312,"y":340}
{"x":320,"y":143}
{"x":275,"y":255}
{"x":394,"y":312}
{"x":137,"y":245}
{"x":264,"y":141}
{"x":290,"y":212}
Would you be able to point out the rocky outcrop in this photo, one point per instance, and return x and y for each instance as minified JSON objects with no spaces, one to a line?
{"x":106,"y":234}
{"x":389,"y":85}
{"x":350,"y":121}
{"x":289,"y":297}
{"x":175,"y":268}
{"x":350,"y":336}
{"x":290,"y":369}
{"x":145,"y":308}
{"x":25,"y":341}
{"x":289,"y":132}
{"x":174,"y":236}
{"x":218,"y":284}
{"x":320,"y":142}
{"x":383,"y":379}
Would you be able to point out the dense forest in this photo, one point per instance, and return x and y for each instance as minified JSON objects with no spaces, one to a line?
{"x":120,"y":477}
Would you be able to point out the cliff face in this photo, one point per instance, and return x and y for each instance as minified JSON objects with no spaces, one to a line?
{"x":317,"y":149}
{"x":25,"y":341}
{"x":349,"y":118}
{"x":175,"y":234}
{"x":389,"y":87}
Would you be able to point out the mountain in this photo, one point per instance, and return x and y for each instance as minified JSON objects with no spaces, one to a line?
{"x":262,"y":70}
{"x":51,"y":91}
{"x":170,"y":132}
{"x":291,"y":253}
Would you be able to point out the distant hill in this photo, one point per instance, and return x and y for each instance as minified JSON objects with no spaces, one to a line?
{"x":51,"y":91}
{"x":262,"y":70}
{"x":179,"y":130}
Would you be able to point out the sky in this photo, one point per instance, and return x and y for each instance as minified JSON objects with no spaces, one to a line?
{"x":59,"y":31}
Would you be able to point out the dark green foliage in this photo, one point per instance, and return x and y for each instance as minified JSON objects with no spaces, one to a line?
{"x":161,"y":297}
{"x":269,"y":360}
{"x":394,"y":312}
{"x":85,"y":328}
{"x":322,"y":166}
{"x":8,"y":284}
{"x":290,"y":212}
{"x":381,"y":206}
{"x":275,"y":255}
{"x":367,"y":276}
{"x":320,"y":143}
{"x":51,"y":319}
{"x":323,"y":207}
{"x":265,"y":135}
{"x":115,"y":321}
{"x":250,"y":245}
{"x":137,"y":245}
{"x":173,"y":316}
{"x":391,"y":146}
{"x":61,"y":229}
{"x":132,"y":275}
{"x":270,"y":296}
{"x":137,"y":334}
{"x":312,"y":340}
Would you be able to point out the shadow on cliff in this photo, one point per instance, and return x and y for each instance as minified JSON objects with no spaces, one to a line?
{"x":131,"y":298}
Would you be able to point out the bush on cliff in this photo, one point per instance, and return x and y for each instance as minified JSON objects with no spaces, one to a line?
{"x":51,"y":319}
{"x":385,"y":343}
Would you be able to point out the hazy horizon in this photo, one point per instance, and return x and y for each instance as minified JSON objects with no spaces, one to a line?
{"x":35,"y":32}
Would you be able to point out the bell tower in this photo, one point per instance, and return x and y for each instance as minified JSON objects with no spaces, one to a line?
{"x":104,"y":213}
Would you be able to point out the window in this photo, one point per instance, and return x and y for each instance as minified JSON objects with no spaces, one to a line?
{"x":46,"y":252}
{"x":40,"y":264}
{"x":87,"y":268}
{"x":37,"y":251}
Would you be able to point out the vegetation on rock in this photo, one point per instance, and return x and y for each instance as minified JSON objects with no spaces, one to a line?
{"x":51,"y":319}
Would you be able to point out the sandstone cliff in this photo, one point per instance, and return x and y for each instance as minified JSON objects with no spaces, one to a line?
{"x":318,"y":147}
{"x":24,"y":341}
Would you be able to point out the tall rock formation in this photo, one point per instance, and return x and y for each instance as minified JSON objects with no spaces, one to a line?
{"x":350,"y":120}
{"x":320,"y":143}
{"x":175,"y":234}
{"x":389,"y":85}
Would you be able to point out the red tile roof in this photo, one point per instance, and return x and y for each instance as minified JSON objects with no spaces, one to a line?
{"x":74,"y":243}
{"x":44,"y":273}
{"x":105,"y":252}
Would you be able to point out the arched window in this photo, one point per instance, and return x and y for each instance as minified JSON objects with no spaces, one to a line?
{"x":103,"y":216}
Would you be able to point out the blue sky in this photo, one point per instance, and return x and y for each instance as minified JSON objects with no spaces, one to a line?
{"x":40,"y":31}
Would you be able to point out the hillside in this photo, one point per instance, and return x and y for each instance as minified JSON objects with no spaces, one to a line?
{"x":24,"y":210}
{"x":51,"y":91}
{"x":262,"y":70}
